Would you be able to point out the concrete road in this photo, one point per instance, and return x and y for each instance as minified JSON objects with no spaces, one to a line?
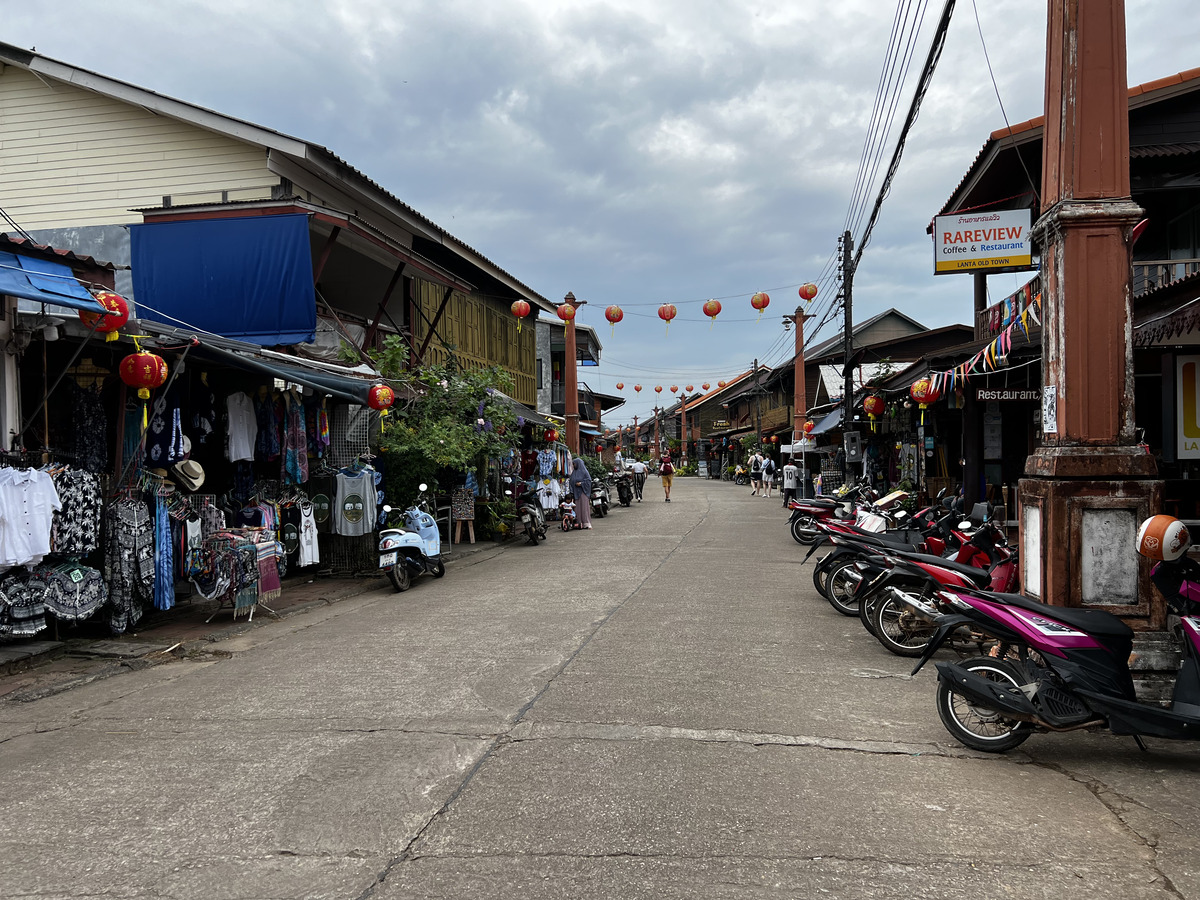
{"x":661,"y":707}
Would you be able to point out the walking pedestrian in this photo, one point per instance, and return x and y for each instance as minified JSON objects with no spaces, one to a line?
{"x":756,"y":474}
{"x":638,"y":468}
{"x":581,"y":489}
{"x":667,"y":472}
{"x":791,"y":481}
{"x":768,"y":476}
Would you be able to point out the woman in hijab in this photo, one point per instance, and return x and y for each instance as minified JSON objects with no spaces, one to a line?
{"x":581,"y":488}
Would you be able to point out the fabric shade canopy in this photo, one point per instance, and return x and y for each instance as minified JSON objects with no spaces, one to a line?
{"x":250,"y":279}
{"x":831,"y":421}
{"x":44,"y":281}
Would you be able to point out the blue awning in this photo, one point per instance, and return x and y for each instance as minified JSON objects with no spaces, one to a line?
{"x":249,"y":279}
{"x":831,"y":421}
{"x":44,"y":281}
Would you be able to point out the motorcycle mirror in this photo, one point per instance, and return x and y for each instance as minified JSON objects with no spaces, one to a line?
{"x":508,"y":493}
{"x":966,"y":525}
{"x":422,"y":486}
{"x":386,"y":508}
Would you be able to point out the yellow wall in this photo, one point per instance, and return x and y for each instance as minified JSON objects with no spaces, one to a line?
{"x":482,"y":333}
{"x":70,"y":157}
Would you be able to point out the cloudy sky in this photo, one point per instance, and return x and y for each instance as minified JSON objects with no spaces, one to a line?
{"x":633,"y":152}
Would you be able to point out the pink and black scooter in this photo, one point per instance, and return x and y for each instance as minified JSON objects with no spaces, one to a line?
{"x":1055,"y":668}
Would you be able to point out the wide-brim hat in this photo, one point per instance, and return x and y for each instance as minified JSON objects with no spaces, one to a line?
{"x":190,"y":474}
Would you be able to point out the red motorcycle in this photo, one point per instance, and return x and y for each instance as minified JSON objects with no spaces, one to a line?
{"x":900,"y":599}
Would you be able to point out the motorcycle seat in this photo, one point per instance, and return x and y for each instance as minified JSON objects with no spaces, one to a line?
{"x":1095,"y":622}
{"x":973,"y":573}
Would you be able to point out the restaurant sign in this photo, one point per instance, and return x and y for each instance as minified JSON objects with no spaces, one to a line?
{"x":1008,"y":394}
{"x":978,"y":241}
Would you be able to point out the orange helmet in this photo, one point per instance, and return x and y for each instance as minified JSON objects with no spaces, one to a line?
{"x":1163,"y":538}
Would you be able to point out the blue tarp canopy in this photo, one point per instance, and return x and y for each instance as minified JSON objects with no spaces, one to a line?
{"x":44,"y":281}
{"x":249,"y":279}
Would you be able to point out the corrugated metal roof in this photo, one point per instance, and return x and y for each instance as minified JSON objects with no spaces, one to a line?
{"x":1154,"y":151}
{"x":15,"y":241}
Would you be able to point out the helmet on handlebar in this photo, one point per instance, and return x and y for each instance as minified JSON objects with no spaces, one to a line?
{"x":1163,"y":538}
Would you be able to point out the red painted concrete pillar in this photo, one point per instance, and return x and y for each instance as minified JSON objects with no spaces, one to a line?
{"x":1088,"y":485}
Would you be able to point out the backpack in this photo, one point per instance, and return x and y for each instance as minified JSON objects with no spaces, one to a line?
{"x":769,"y":467}
{"x":667,"y":468}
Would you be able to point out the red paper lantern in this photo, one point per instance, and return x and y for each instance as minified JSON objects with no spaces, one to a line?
{"x":712,"y":309}
{"x":674,"y":389}
{"x":566,"y":312}
{"x":637,"y":388}
{"x":658,"y":389}
{"x":380,"y":397}
{"x":551,"y":435}
{"x":760,"y":301}
{"x":614,"y":315}
{"x":874,"y":407}
{"x":808,"y":291}
{"x":704,"y":386}
{"x":144,"y":371}
{"x":620,"y":385}
{"x":667,"y":312}
{"x":809,"y":425}
{"x":520,"y":309}
{"x":689,"y":389}
{"x":722,"y":384}
{"x":599,"y":448}
{"x":924,"y":392}
{"x":118,"y":315}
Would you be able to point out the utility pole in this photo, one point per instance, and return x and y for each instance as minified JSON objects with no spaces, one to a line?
{"x":848,"y":341}
{"x":683,"y":428}
{"x":635,"y":436}
{"x":571,"y":377}
{"x":757,"y":407}
{"x":657,"y":445}
{"x":799,"y":394}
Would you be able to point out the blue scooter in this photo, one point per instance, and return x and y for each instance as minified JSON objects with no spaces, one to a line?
{"x":414,"y":549}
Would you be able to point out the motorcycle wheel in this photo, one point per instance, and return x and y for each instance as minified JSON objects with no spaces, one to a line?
{"x":804,"y":530}
{"x":821,"y":576}
{"x":839,"y":589}
{"x":899,"y":629}
{"x":532,"y":533}
{"x":439,"y":570}
{"x":741,"y":479}
{"x":399,"y":577}
{"x":978,"y":727}
{"x":866,"y":611}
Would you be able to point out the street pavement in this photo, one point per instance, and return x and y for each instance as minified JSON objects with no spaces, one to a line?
{"x":661,"y":707}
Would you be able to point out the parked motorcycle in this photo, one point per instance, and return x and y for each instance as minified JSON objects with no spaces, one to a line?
{"x":741,"y":475}
{"x":601,"y":497}
{"x":414,"y":549}
{"x":1062,"y":669}
{"x":624,"y":483}
{"x":856,"y":503}
{"x":529,"y":509}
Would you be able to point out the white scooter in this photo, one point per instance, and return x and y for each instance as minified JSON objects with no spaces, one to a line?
{"x":415,"y":549}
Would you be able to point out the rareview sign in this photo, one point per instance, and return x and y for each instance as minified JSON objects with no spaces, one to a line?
{"x":986,"y":240}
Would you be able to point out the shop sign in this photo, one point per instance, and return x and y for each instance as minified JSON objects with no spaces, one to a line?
{"x":973,"y":242}
{"x":720,"y":423}
{"x":1007,"y":394}
{"x":1187,"y":406}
